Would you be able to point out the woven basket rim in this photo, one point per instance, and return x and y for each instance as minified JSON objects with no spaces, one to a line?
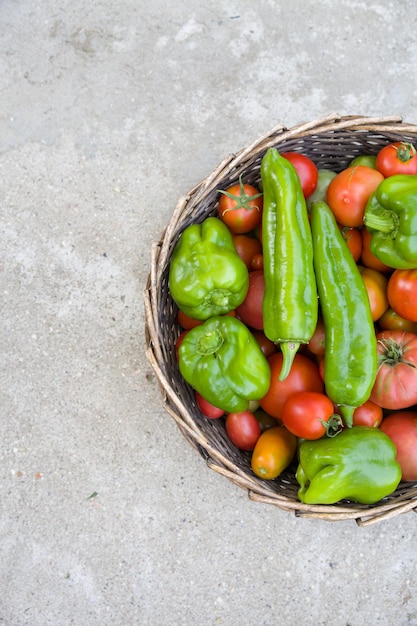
{"x":195,"y":205}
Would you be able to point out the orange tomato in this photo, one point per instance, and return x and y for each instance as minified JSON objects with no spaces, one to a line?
{"x":376,"y":286}
{"x":273,"y":452}
{"x":368,"y":258}
{"x":353,"y":238}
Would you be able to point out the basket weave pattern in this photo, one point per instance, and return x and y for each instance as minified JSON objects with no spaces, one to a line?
{"x":331,"y":142}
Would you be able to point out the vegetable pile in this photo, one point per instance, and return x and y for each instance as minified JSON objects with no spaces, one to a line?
{"x":298,"y":308}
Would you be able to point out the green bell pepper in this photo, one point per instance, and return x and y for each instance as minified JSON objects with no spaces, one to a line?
{"x":222,"y":360}
{"x":359,"y":464}
{"x":391,"y":218}
{"x":207,"y":276}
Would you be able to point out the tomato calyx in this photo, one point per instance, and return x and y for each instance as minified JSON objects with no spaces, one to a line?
{"x":393,"y":353}
{"x":405,"y":152}
{"x":333,"y":426}
{"x":242,"y":200}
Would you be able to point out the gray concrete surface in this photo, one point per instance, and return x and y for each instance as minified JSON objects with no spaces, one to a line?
{"x":108,"y":113}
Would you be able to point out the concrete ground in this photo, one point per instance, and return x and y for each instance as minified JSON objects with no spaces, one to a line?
{"x":108,"y":113}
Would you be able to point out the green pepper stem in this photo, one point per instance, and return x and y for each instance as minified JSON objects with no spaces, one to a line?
{"x":385,"y":221}
{"x":209,"y":342}
{"x":347,"y":414}
{"x":289,"y":350}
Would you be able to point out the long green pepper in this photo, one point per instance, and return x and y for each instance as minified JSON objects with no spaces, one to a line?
{"x":350,"y":358}
{"x":290,"y":303}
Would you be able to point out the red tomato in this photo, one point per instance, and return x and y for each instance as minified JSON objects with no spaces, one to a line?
{"x":243,"y":429}
{"x":306,"y":414}
{"x":376,"y":286}
{"x":401,"y":428}
{"x":395,"y":385}
{"x":317,"y":341}
{"x":267,"y":346}
{"x":304,"y":376}
{"x":208,"y":409}
{"x":402,"y":293}
{"x":274,"y":451}
{"x":399,"y":157}
{"x":368,"y":258}
{"x":306,"y":170}
{"x":257,"y":262}
{"x":250,"y":311}
{"x":240,"y":207}
{"x":186,"y":321}
{"x":247,"y":248}
{"x":392,"y":321}
{"x":353,"y":238}
{"x":368,"y":414}
{"x":349,"y":191}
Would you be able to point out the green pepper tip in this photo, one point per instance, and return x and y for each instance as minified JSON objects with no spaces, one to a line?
{"x":289,"y":350}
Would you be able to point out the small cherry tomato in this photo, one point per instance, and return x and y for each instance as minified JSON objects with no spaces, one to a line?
{"x":208,"y":409}
{"x":240,"y":207}
{"x":402,"y":293}
{"x":353,"y":238}
{"x":306,"y":414}
{"x":273,"y":452}
{"x":368,"y":258}
{"x":247,"y":248}
{"x":392,"y":321}
{"x":376,"y":286}
{"x":349,"y":191}
{"x":306,"y":169}
{"x":368,"y":414}
{"x":399,"y":157}
{"x":243,"y":429}
{"x":257,"y":262}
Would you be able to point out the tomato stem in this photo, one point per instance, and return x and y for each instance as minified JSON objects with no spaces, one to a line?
{"x":405,"y":152}
{"x":242,"y":200}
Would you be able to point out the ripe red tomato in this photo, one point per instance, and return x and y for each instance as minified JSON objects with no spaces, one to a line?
{"x":395,"y":385}
{"x":376,"y":286}
{"x":353,"y":238}
{"x":401,"y":428}
{"x":247,"y":248}
{"x":257,"y":262}
{"x":208,"y":409}
{"x":274,"y":451}
{"x":402,"y":293}
{"x":186,"y":321}
{"x":250,"y":311}
{"x":267,"y":346}
{"x":243,"y":429}
{"x":304,"y":376}
{"x":399,"y":157}
{"x":392,"y":321}
{"x":349,"y":191}
{"x":306,"y":169}
{"x":368,"y":258}
{"x":240,"y":207}
{"x":317,"y":342}
{"x":306,"y":413}
{"x":368,"y":414}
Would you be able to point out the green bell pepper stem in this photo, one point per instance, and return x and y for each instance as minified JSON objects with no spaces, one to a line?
{"x":290,"y":306}
{"x":350,"y":358}
{"x":358,"y":464}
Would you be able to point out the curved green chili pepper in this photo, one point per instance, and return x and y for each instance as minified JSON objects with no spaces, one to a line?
{"x":350,"y":359}
{"x":290,"y":305}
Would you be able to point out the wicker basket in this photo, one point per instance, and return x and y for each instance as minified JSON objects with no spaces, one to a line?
{"x":332,"y":142}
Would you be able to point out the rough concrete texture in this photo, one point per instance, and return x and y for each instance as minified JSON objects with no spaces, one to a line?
{"x":108,"y":113}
